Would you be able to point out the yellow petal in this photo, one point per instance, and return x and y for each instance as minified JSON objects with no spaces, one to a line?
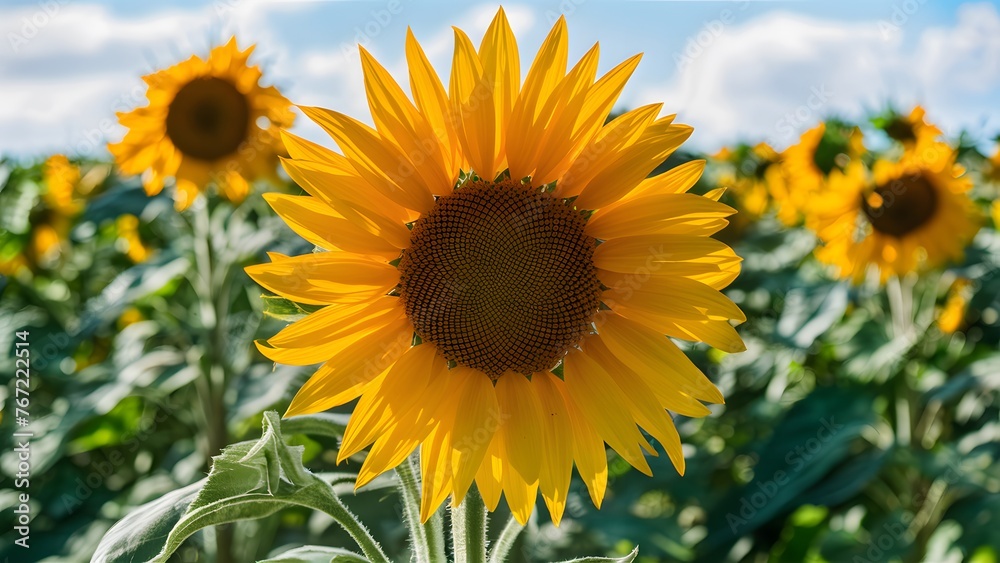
{"x":324,"y":227}
{"x":520,"y":495}
{"x":678,"y":179}
{"x":546,"y":71}
{"x":553,"y":137}
{"x":649,"y":414}
{"x":605,"y":406}
{"x":603,"y":149}
{"x":588,"y":448}
{"x":388,"y":400}
{"x":716,"y":333}
{"x":326,"y":277}
{"x":597,"y":105}
{"x":342,"y":378}
{"x":688,"y":299}
{"x":656,"y":358}
{"x":325,"y":333}
{"x":433,"y":103}
{"x":476,"y":422}
{"x":380,"y":163}
{"x":557,"y":463}
{"x":435,"y":469}
{"x":472,"y":95}
{"x":399,"y":121}
{"x":502,"y":69}
{"x":639,"y":257}
{"x":634,"y":163}
{"x":669,"y":397}
{"x":521,"y":419}
{"x":489,"y":476}
{"x":656,"y":214}
{"x":350,"y":196}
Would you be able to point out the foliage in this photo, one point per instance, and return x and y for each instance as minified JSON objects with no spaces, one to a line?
{"x":858,"y":426}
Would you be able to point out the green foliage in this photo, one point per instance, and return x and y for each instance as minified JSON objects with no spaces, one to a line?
{"x":851,"y":431}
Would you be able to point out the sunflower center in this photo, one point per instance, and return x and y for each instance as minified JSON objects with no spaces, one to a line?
{"x":900,"y":130}
{"x":901,"y":206}
{"x":500,"y":277}
{"x":208,"y":118}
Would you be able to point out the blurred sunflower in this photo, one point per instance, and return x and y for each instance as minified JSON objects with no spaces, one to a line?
{"x":208,"y":121}
{"x":820,"y":151}
{"x":951,"y":317}
{"x":912,"y":214}
{"x":128,"y":235}
{"x":515,"y":308}
{"x":909,"y":129}
{"x":751,"y":175}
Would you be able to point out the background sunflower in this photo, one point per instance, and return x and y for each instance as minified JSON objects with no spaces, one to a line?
{"x":207,"y":121}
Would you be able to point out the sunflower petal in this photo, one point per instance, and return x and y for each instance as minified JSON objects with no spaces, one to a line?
{"x":655,"y":357}
{"x":326,"y":277}
{"x":343,"y":377}
{"x":557,"y":463}
{"x":604,"y":404}
{"x":380,"y":163}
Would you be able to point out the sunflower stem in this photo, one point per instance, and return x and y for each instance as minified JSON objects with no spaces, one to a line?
{"x":332,"y":505}
{"x":900,"y":306}
{"x":506,"y":541}
{"x":468,"y":529}
{"x":427,"y":538}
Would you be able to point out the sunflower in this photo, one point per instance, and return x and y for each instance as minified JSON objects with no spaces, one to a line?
{"x":911,"y":214}
{"x":951,"y":317}
{"x":207,"y":121}
{"x":751,"y":174}
{"x":911,"y":129}
{"x":499,"y":276}
{"x":129,"y":239}
{"x":820,"y":150}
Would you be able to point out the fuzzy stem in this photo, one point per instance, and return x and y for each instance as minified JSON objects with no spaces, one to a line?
{"x":468,"y":527}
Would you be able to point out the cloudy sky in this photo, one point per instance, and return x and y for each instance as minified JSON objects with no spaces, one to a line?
{"x":734,"y":70}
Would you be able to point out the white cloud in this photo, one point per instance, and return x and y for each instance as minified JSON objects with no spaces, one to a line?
{"x":67,"y":68}
{"x":780,"y":73}
{"x":757,"y":79}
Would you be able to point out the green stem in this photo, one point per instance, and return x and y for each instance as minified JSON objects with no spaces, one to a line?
{"x":214,"y":374}
{"x":506,"y":541}
{"x":332,"y":505}
{"x":468,"y":529}
{"x":428,"y":538}
{"x":899,"y":307}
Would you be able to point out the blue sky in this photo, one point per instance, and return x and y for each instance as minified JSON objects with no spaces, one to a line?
{"x":734,"y":70}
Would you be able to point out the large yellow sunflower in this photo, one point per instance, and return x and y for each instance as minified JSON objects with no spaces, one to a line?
{"x":908,"y":215}
{"x":820,"y":151}
{"x":500,"y":277}
{"x":208,"y":121}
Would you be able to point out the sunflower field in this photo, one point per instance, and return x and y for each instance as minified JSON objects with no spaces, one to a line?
{"x":511,"y":320}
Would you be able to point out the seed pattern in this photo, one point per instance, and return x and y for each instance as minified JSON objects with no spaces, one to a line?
{"x":500,"y":277}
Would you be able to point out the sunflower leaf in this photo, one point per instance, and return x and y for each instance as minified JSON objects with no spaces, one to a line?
{"x":248,"y":480}
{"x":316,"y":554}
{"x":627,"y":559}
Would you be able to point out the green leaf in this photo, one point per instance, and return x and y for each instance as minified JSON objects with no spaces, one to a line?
{"x":810,"y":311}
{"x":627,"y":559}
{"x":816,"y":436}
{"x":320,"y":424}
{"x":284,"y":309}
{"x":248,"y":480}
{"x":139,"y":535}
{"x":316,"y":554}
